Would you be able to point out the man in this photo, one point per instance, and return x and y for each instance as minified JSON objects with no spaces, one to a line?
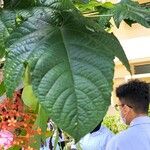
{"x":95,"y":140}
{"x":133,"y":105}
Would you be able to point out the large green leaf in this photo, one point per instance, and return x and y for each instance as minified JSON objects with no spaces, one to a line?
{"x":73,"y":81}
{"x":9,"y":21}
{"x":113,"y":44}
{"x":7,"y":25}
{"x":71,"y":60}
{"x":37,"y":24}
{"x":72,"y":72}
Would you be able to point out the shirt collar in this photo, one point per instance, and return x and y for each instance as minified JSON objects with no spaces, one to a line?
{"x":100,"y":131}
{"x":140,"y":120}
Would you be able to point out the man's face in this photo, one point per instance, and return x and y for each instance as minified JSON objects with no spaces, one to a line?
{"x":124,"y":112}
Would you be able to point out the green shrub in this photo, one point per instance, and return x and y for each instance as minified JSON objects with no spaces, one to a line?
{"x":114,"y":123}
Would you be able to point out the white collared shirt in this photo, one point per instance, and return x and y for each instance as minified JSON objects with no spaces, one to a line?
{"x":136,"y":137}
{"x":96,"y":140}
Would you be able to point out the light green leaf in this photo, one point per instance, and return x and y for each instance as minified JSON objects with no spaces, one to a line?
{"x":26,"y":77}
{"x":29,"y":98}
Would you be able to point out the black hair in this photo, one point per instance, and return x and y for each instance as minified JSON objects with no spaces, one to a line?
{"x":136,"y":94}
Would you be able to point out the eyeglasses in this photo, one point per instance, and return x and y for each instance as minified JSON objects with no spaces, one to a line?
{"x":121,"y":105}
{"x":117,"y":106}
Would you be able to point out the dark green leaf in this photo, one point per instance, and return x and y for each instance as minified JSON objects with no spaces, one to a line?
{"x":2,"y":51}
{"x":129,"y":22}
{"x":115,"y":47}
{"x":73,"y":72}
{"x":38,"y":24}
{"x":71,"y":62}
{"x":2,"y":88}
{"x":73,"y":79}
{"x":104,"y":17}
{"x":133,"y":11}
{"x":15,"y":4}
{"x":105,"y":14}
{"x":56,"y":4}
{"x":7,"y":25}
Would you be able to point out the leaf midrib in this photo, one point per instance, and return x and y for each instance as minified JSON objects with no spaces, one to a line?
{"x":65,"y":46}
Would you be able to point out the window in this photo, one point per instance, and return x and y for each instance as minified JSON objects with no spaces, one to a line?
{"x":142,"y":69}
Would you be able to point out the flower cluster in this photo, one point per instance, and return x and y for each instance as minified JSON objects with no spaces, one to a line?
{"x":16,"y":123}
{"x":6,"y":139}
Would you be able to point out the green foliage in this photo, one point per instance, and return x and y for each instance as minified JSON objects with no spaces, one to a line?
{"x":40,"y":123}
{"x":71,"y":84}
{"x":127,"y":10}
{"x":2,"y":88}
{"x":114,"y":123}
{"x":71,"y":61}
{"x":105,"y":14}
{"x":19,"y":3}
{"x":59,"y":5}
{"x":87,"y":7}
{"x":7,"y":25}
